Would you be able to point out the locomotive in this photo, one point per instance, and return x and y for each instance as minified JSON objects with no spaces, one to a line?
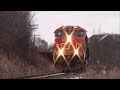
{"x":71,"y":48}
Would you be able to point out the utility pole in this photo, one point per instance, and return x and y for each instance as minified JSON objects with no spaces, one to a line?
{"x":93,"y":31}
{"x":99,"y":32}
{"x":35,"y":38}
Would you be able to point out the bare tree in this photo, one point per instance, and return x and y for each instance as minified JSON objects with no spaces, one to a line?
{"x":42,"y":45}
{"x":15,"y":31}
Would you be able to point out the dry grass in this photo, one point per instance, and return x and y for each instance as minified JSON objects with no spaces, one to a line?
{"x":104,"y":56}
{"x":103,"y":72}
{"x":15,"y":67}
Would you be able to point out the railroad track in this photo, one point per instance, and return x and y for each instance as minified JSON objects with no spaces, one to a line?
{"x":66,"y":75}
{"x":42,"y":77}
{"x":47,"y":76}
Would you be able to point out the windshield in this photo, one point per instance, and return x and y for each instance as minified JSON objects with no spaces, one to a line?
{"x":79,"y":33}
{"x":62,"y":33}
{"x":59,"y":33}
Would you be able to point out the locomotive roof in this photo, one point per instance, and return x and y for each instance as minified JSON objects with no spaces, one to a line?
{"x":70,"y":28}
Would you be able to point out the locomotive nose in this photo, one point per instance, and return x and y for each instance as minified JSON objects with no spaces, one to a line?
{"x":68,"y":39}
{"x":68,"y":49}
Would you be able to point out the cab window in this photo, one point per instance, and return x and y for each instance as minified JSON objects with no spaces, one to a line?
{"x":79,"y":33}
{"x":59,"y":33}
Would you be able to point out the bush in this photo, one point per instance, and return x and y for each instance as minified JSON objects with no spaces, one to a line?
{"x":15,"y":66}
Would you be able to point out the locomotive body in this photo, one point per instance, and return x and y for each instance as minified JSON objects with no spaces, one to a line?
{"x":70,"y":47}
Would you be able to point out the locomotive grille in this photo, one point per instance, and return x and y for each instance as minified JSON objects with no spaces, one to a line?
{"x":68,"y":57}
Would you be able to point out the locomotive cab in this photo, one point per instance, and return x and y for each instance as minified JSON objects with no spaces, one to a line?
{"x":70,"y":47}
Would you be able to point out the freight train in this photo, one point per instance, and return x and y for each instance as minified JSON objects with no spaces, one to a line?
{"x":71,"y":48}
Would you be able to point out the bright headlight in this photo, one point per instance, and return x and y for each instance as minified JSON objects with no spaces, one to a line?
{"x":76,"y":52}
{"x":61,"y":51}
{"x":69,"y":39}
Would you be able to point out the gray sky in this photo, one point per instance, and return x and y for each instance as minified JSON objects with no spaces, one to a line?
{"x":48,"y":21}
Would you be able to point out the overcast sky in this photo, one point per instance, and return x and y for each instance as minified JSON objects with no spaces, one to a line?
{"x":48,"y":21}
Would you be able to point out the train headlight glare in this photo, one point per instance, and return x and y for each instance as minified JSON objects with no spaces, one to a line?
{"x":69,"y":39}
{"x":76,"y":52}
{"x":61,"y":52}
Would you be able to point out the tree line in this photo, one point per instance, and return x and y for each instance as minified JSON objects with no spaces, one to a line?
{"x":16,"y":28}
